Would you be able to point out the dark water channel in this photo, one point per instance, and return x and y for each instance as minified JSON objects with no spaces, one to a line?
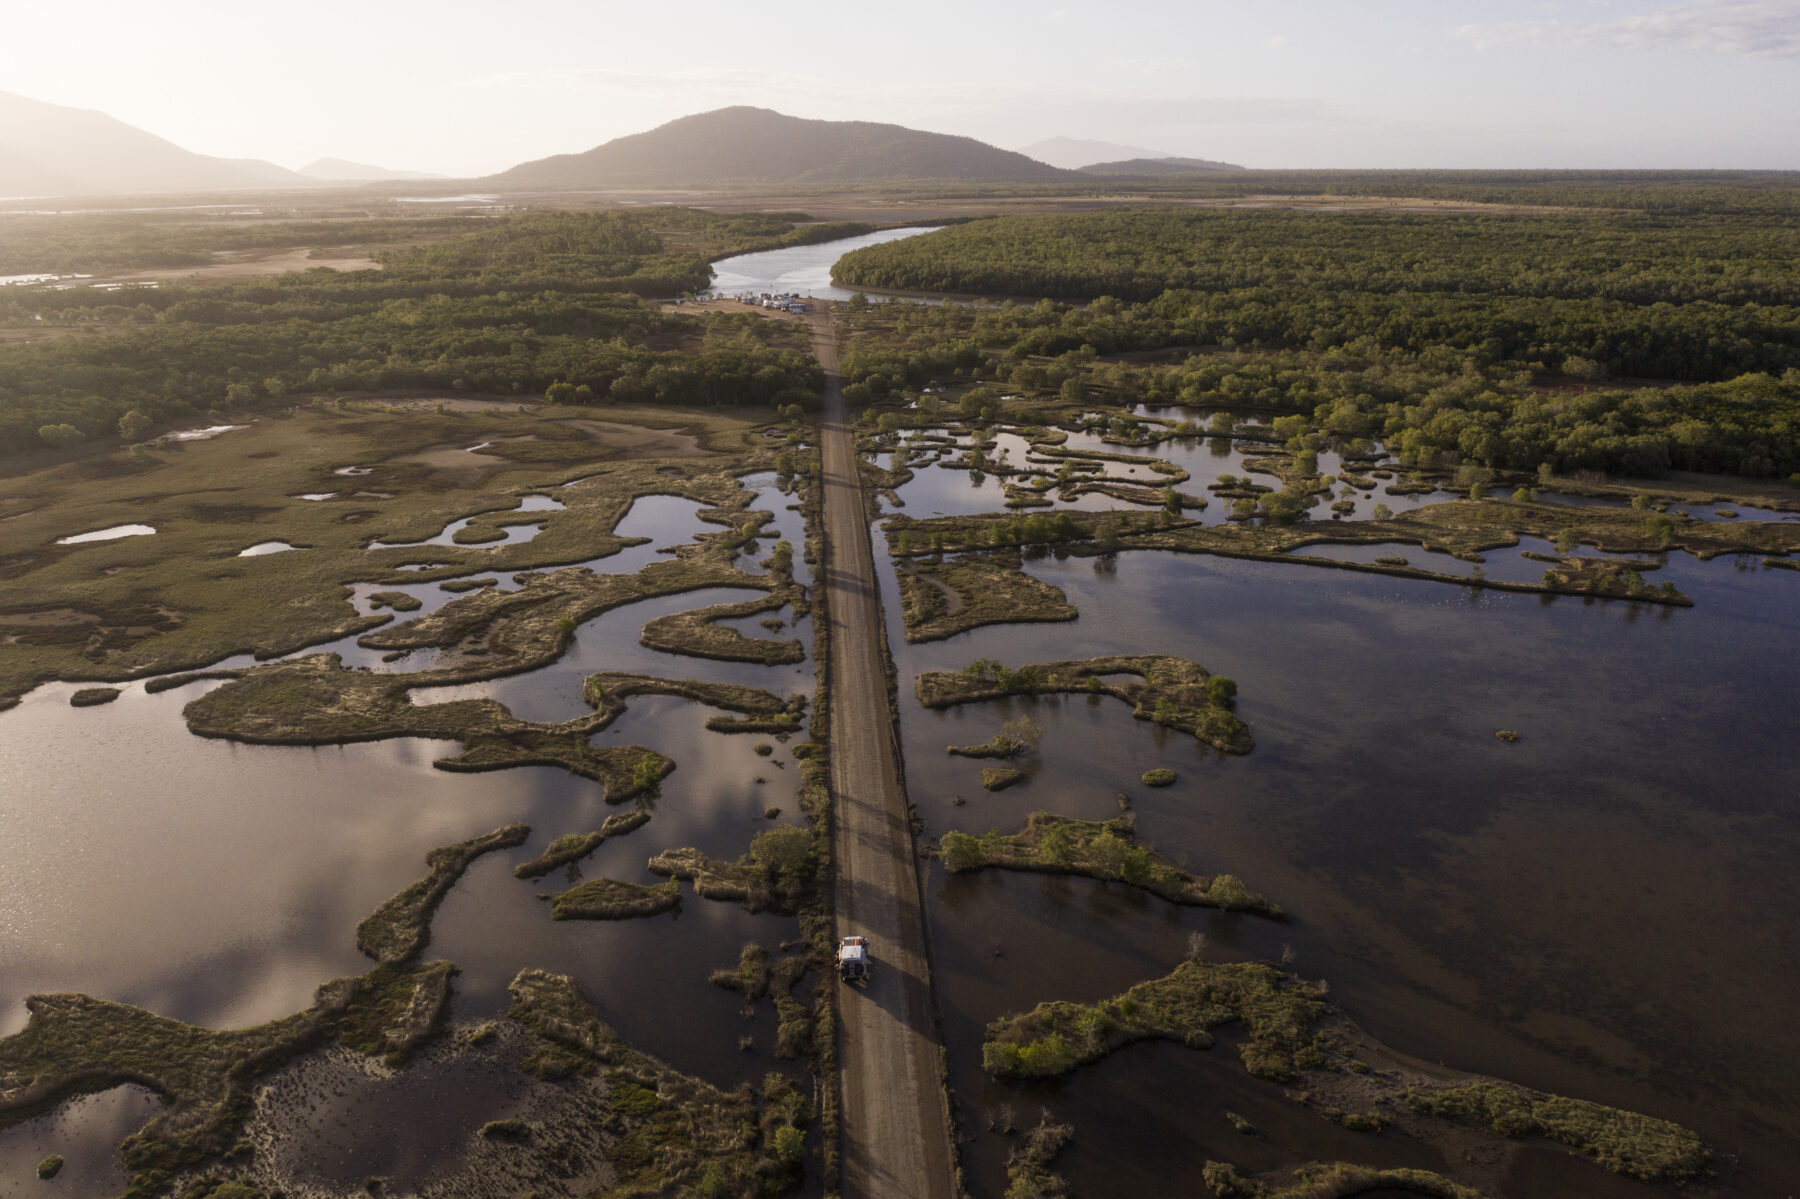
{"x":220,"y":884}
{"x":1602,"y":909}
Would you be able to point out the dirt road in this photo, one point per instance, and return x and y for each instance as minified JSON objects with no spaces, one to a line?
{"x":895,"y":1133}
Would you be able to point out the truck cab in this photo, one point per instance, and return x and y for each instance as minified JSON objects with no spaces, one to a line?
{"x":853,"y":959}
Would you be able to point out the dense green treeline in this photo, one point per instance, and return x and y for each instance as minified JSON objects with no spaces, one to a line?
{"x":511,"y":308}
{"x":1692,"y":192}
{"x":1438,"y":406}
{"x":1137,"y":253}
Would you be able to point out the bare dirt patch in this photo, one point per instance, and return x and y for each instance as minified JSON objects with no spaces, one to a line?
{"x":245,"y":266}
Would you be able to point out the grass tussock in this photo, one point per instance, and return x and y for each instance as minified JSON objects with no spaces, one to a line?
{"x":1028,"y":1173}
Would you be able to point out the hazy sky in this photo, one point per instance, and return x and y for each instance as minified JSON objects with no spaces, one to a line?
{"x":467,"y":88}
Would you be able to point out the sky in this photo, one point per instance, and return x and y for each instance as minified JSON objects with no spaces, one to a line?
{"x":466,"y":88}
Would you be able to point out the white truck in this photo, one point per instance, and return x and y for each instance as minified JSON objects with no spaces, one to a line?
{"x":853,"y":959}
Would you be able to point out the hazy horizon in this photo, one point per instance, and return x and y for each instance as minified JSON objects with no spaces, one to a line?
{"x":448,"y":89}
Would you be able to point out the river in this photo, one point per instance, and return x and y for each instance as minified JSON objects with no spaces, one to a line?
{"x":799,"y":270}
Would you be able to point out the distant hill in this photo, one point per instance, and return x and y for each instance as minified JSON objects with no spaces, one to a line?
{"x":339,"y":170}
{"x":735,"y":146}
{"x":1159,"y":166}
{"x":1072,"y":153}
{"x":49,"y":150}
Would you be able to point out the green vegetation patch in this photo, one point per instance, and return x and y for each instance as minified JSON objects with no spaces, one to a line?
{"x":401,"y":927}
{"x":754,"y":978}
{"x":1174,"y":692}
{"x":775,"y":876}
{"x":1160,"y":776}
{"x":610,"y":899}
{"x":1100,"y":849}
{"x":182,"y":599}
{"x":1279,"y":1011}
{"x":669,"y":1133}
{"x":999,"y":778}
{"x":762,"y":711}
{"x":1028,"y":1173}
{"x":1336,"y":1180}
{"x":698,"y":633}
{"x":955,"y":594}
{"x":1624,"y":1142}
{"x":398,"y":601}
{"x":50,"y":1167}
{"x":572,"y":847}
{"x":91,"y":697}
{"x":314,"y":701}
{"x":75,"y":1044}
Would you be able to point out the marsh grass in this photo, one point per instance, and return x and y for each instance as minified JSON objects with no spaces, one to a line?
{"x":401,"y":927}
{"x":1174,"y":692}
{"x":1628,"y":1143}
{"x":610,"y":899}
{"x":942,"y":598}
{"x":182,"y":599}
{"x":1100,"y":849}
{"x":572,"y":847}
{"x":1336,"y":1180}
{"x":1279,"y":1011}
{"x":668,"y":1132}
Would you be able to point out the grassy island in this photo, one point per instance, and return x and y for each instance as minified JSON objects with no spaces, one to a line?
{"x":955,"y":594}
{"x":698,"y":634}
{"x":1624,"y":1142}
{"x":1336,"y":1180}
{"x":1279,"y":1011}
{"x":1099,"y":849}
{"x":773,"y":877}
{"x":1174,"y":692}
{"x":759,"y":711}
{"x":610,"y":899}
{"x":401,"y":927}
{"x":1293,"y":1036}
{"x":572,"y":847}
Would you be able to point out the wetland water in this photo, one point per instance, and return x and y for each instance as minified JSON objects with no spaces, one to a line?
{"x":221,"y":883}
{"x":1600,"y":909}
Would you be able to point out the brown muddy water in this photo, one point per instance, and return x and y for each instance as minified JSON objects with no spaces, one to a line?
{"x":1603,"y":909}
{"x":220,"y":884}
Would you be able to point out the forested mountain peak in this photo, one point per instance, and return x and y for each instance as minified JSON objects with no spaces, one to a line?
{"x":746,"y":145}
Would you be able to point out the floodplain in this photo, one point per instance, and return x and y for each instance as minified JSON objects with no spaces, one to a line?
{"x":1337,"y":784}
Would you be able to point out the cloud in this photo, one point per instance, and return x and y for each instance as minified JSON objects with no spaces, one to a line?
{"x":1747,"y":28}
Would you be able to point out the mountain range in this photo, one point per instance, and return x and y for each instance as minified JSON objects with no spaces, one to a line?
{"x":52,"y":150}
